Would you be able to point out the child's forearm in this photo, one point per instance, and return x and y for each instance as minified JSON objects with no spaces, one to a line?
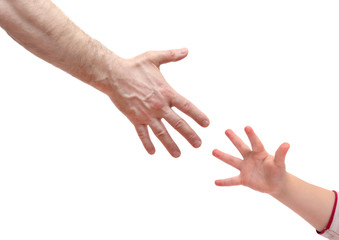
{"x":312,"y":203}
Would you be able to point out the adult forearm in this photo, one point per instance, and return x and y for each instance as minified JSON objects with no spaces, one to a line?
{"x":312,"y":203}
{"x":136,"y":86}
{"x":44,"y":30}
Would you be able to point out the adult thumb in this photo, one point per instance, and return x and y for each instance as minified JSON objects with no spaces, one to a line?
{"x":162,"y":57}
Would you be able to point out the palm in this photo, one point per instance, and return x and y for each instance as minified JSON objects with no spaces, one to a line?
{"x":258,"y":170}
{"x":260,"y":173}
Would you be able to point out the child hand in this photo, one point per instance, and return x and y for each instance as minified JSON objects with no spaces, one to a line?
{"x":258,"y":170}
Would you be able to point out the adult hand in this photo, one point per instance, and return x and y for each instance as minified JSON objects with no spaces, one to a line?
{"x":139,"y":90}
{"x":258,"y":169}
{"x":135,"y":85}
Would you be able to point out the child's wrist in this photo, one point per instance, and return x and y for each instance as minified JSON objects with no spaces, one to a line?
{"x":280,"y":191}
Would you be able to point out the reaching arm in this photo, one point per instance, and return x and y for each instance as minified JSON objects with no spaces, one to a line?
{"x":44,"y":30}
{"x":266,"y":173}
{"x":313,"y":203}
{"x":136,"y":86}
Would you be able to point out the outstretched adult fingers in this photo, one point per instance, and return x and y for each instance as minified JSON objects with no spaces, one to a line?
{"x":183,"y":128}
{"x":238,"y":143}
{"x":145,"y":139}
{"x":228,"y":182}
{"x":227,"y":158}
{"x":190,"y":110}
{"x":161,"y":133}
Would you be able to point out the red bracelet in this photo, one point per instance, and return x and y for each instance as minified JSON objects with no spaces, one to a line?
{"x":332,"y":214}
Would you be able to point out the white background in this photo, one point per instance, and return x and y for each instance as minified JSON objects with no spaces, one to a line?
{"x":72,"y":166}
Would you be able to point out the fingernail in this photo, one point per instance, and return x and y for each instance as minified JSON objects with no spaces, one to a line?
{"x":176,"y":154}
{"x":152,"y":151}
{"x":205,"y":123}
{"x":183,"y":51}
{"x":197,"y":143}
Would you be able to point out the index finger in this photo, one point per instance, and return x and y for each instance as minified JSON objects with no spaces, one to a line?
{"x":227,"y":158}
{"x":189,"y":109}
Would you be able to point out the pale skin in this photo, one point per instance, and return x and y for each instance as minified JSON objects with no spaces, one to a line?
{"x":138,"y":89}
{"x":136,"y":86}
{"x":267,"y":174}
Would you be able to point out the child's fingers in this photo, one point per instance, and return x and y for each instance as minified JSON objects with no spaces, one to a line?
{"x":227,"y":158}
{"x":238,"y":143}
{"x":234,"y":181}
{"x":256,"y":144}
{"x":280,"y":154}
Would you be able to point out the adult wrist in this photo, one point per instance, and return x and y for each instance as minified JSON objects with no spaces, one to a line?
{"x":107,"y":72}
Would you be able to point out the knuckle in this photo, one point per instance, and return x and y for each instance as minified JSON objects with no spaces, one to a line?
{"x":156,"y":102}
{"x":171,"y":53}
{"x":159,"y":109}
{"x":172,"y":147}
{"x":166,"y":91}
{"x":142,"y":135}
{"x":148,"y":54}
{"x":179,"y":124}
{"x":161,"y":133}
{"x":186,"y":107}
{"x":243,"y":182}
{"x":192,"y":137}
{"x":147,"y":57}
{"x":156,"y":105}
